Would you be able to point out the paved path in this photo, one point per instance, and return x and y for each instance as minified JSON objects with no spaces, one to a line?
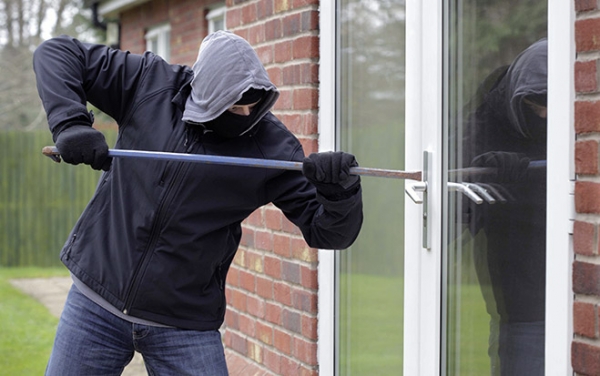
{"x":52,"y":292}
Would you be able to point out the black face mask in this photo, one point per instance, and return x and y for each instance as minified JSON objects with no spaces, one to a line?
{"x":230,"y":125}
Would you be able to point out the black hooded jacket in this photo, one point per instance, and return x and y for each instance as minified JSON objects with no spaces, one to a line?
{"x":157,"y":238}
{"x":515,"y":259}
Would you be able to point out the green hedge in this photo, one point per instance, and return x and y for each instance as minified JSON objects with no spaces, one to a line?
{"x":39,"y":200}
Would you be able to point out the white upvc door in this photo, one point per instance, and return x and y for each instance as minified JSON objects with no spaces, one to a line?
{"x":426,"y":316}
{"x":429,"y":314}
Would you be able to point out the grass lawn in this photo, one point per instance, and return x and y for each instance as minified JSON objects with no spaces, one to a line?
{"x":372,"y":327}
{"x":26,"y":325}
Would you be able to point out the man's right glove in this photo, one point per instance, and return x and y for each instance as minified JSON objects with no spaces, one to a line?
{"x":329,"y":172}
{"x":510,"y":167}
{"x":83,"y":144}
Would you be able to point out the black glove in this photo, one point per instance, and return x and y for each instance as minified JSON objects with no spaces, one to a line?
{"x":83,"y":144}
{"x":510,"y":167}
{"x":330,"y":174}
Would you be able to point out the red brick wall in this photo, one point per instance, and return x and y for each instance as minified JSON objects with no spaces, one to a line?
{"x":188,"y":26}
{"x":585,"y":349}
{"x":271,"y":322}
{"x":272,"y":316}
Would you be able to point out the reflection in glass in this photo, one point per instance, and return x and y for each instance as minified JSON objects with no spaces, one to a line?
{"x":370,"y":59}
{"x":496,"y":69}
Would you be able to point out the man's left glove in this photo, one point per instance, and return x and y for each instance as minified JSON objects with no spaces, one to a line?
{"x":83,"y":144}
{"x":329,"y":172}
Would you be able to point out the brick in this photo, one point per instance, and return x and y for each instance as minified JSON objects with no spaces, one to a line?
{"x":309,"y":327}
{"x":282,"y":341}
{"x":263,"y":240}
{"x":283,"y":51}
{"x":305,"y":351}
{"x":586,"y":157}
{"x":265,"y":55}
{"x":232,"y":319}
{"x":273,"y":218}
{"x":310,"y":20}
{"x":249,"y":13}
{"x":585,"y":358}
{"x":255,"y":352}
{"x":304,"y":301}
{"x":272,"y":360}
{"x":233,"y":18}
{"x":247,"y":325}
{"x":585,"y":316}
{"x":290,"y":272}
{"x":282,"y":245}
{"x":264,"y":288}
{"x":273,"y":313}
{"x":585,"y":240}
{"x":273,"y":267}
{"x":306,"y":99}
{"x":282,"y":293}
{"x":273,"y":29}
{"x":276,"y":76}
{"x":585,"y":5}
{"x":247,"y":281}
{"x":586,"y":32}
{"x":586,"y":278}
{"x":285,"y":100}
{"x":292,"y":24}
{"x":237,"y":299}
{"x":264,"y":333}
{"x":302,"y":3}
{"x":290,"y":367}
{"x":586,"y":76}
{"x":264,"y":9}
{"x":238,"y":343}
{"x":281,"y":5}
{"x":309,"y":278}
{"x":256,"y":307}
{"x":587,"y":197}
{"x":306,"y":47}
{"x":303,"y":252}
{"x":292,"y":321}
{"x":256,"y":34}
{"x":310,"y":145}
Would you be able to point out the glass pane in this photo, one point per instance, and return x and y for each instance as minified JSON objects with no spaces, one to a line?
{"x":371,"y":126}
{"x":496,"y":73}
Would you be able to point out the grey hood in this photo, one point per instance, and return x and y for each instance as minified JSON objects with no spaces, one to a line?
{"x":527,"y":76}
{"x":226,"y":67}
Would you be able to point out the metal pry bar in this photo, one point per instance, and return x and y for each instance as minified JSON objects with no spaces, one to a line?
{"x":53,"y":153}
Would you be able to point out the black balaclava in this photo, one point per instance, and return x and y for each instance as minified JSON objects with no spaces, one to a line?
{"x":231,"y":125}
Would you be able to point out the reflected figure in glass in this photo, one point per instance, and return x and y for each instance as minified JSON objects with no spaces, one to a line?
{"x":504,"y":150}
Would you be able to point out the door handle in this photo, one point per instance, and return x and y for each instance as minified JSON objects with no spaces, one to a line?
{"x":421,"y":186}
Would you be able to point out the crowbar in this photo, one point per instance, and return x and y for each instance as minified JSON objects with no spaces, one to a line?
{"x":54,"y":154}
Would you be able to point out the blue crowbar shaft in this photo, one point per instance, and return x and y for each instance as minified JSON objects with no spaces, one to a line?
{"x":54,"y":154}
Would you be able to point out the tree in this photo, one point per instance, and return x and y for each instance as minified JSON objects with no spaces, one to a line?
{"x":24,"y":24}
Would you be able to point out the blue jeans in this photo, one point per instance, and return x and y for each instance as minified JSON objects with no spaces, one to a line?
{"x":91,"y":341}
{"x":521,"y":348}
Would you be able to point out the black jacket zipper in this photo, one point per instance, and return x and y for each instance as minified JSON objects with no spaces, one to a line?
{"x":156,"y":228}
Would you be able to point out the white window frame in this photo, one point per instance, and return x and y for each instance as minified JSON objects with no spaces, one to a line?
{"x":327,"y":105}
{"x":216,"y":14}
{"x":424,"y":108}
{"x":161,"y":34}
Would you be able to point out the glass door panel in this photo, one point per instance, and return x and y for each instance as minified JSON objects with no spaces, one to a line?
{"x":495,"y":75}
{"x":370,"y":113}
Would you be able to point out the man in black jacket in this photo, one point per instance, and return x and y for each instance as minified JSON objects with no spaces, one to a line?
{"x":150,"y":253}
{"x":507,"y":132}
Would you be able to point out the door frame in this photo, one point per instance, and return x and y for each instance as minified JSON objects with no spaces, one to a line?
{"x":424,"y":103}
